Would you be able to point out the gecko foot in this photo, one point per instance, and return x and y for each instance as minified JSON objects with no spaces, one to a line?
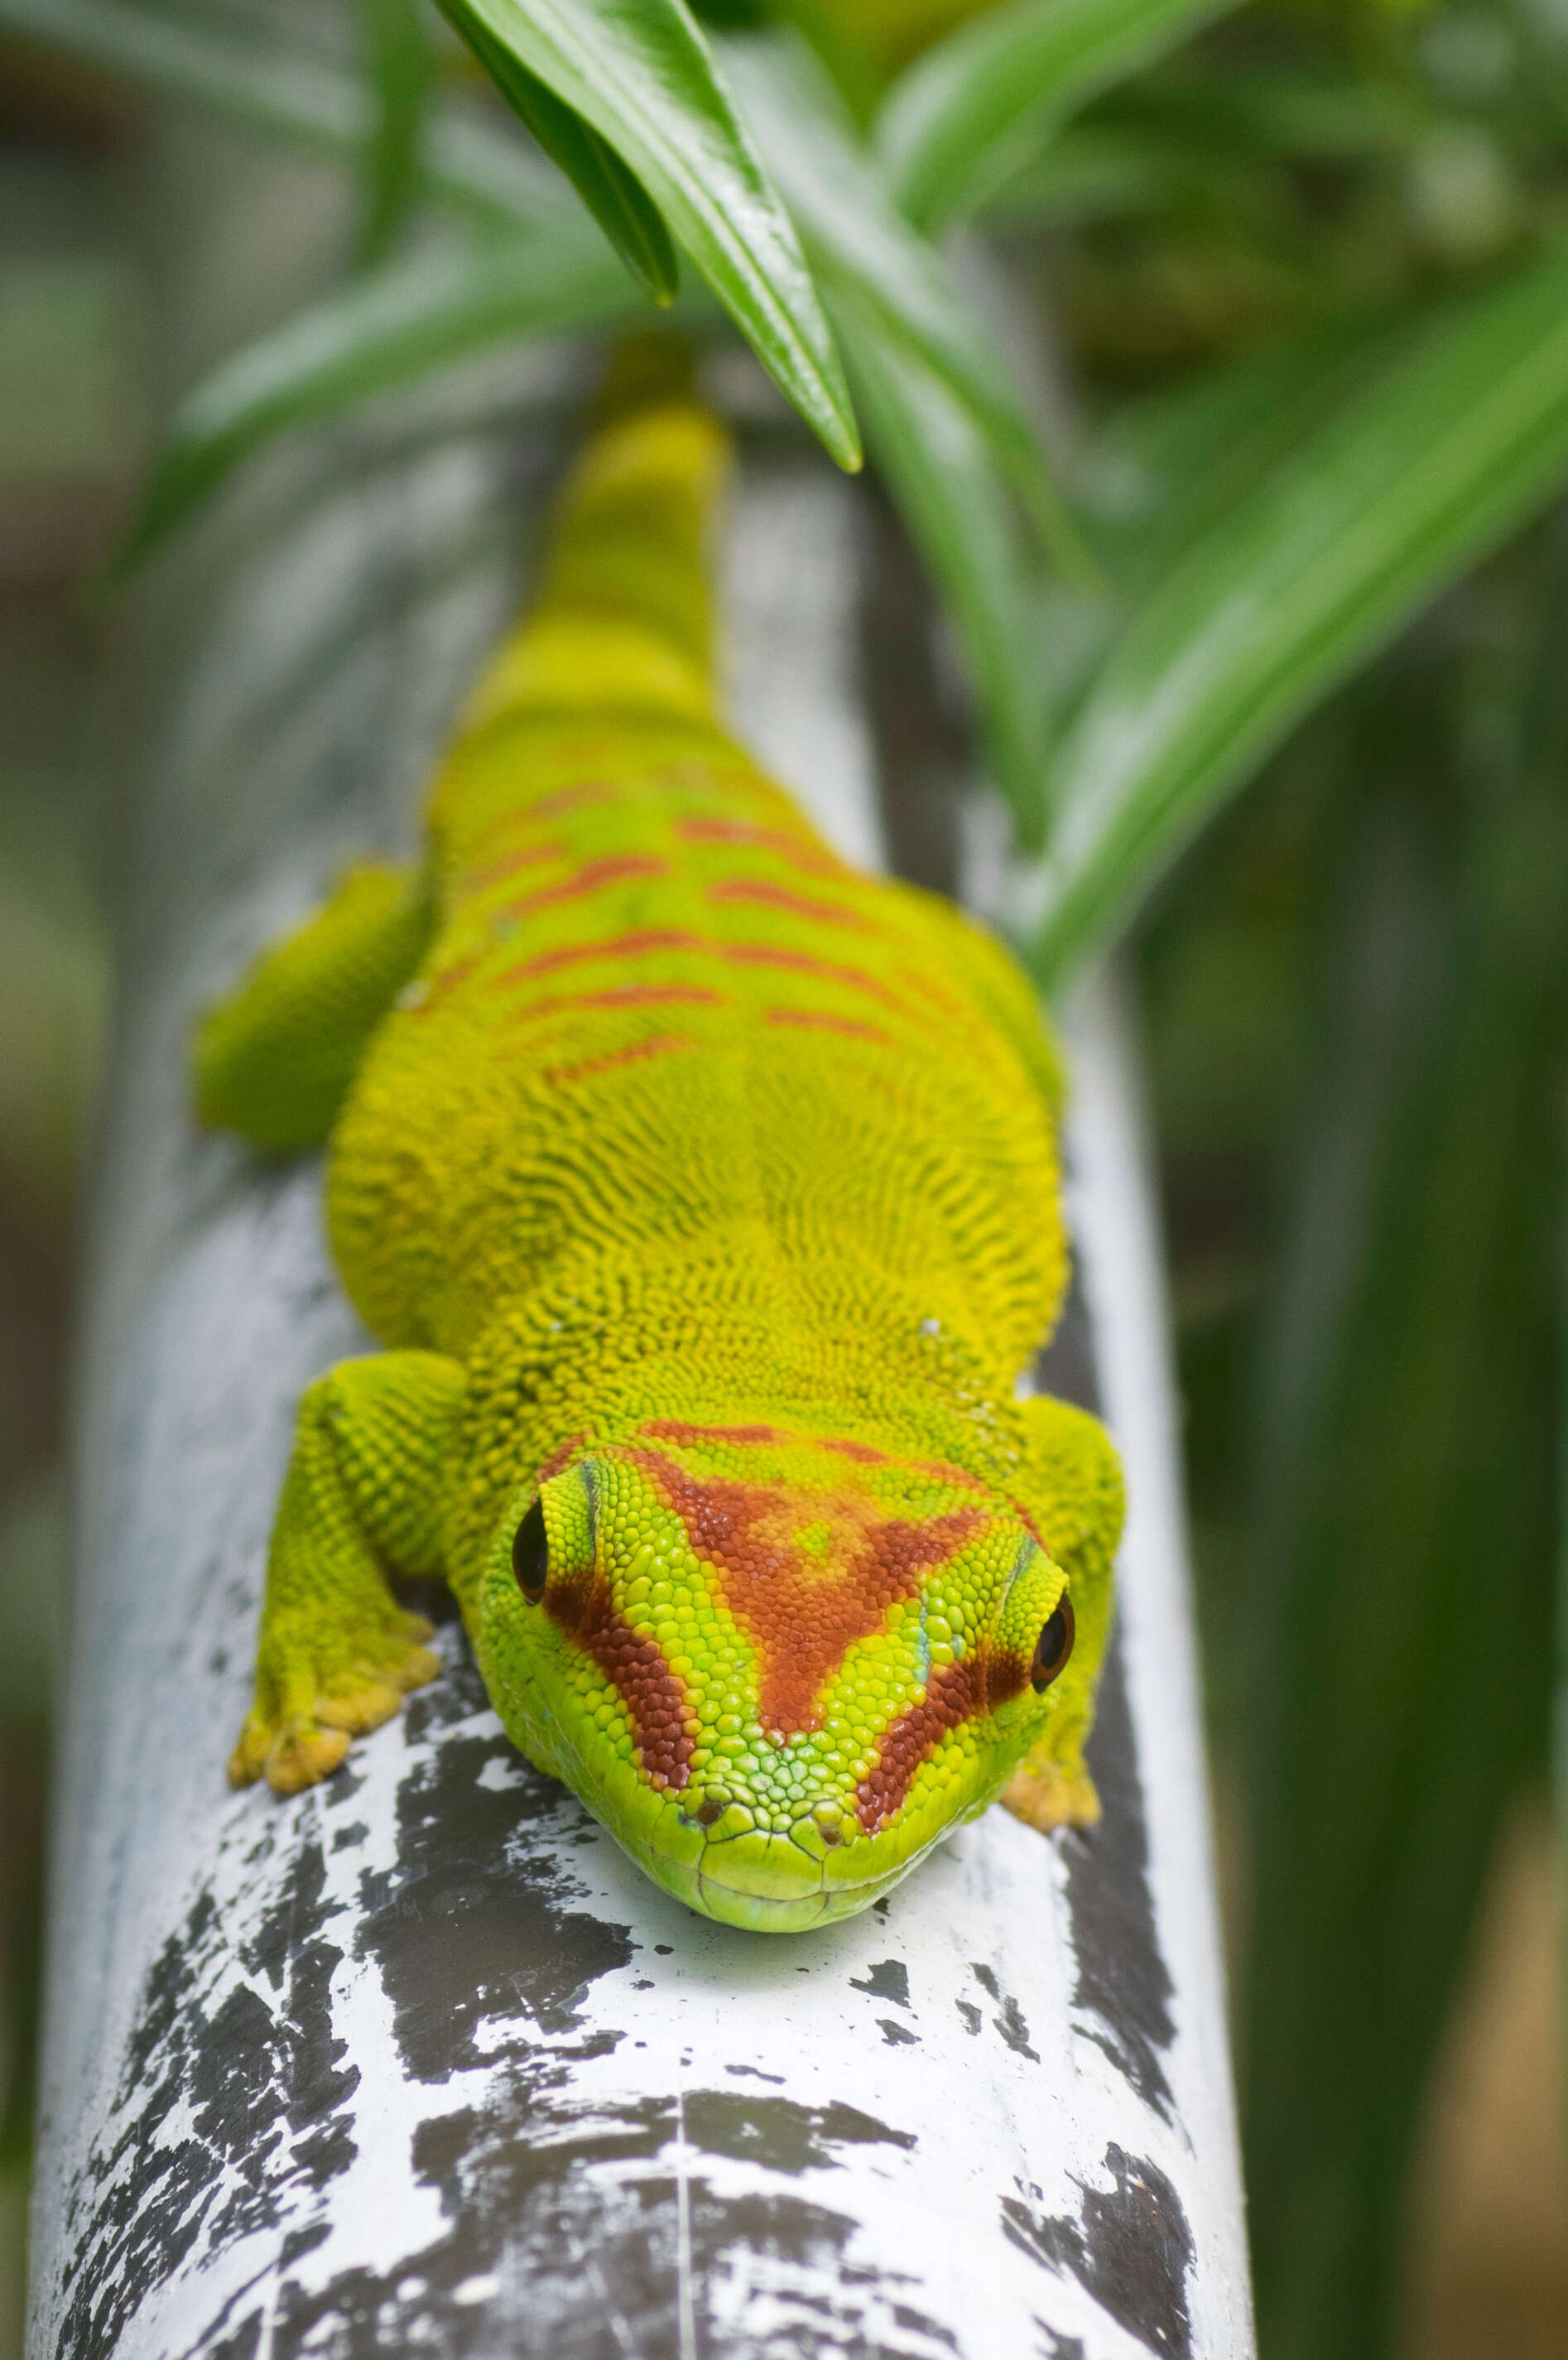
{"x":298,"y":1733}
{"x":1050,"y":1797}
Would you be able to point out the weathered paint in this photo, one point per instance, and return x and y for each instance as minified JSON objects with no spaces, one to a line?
{"x":418,"y":2063}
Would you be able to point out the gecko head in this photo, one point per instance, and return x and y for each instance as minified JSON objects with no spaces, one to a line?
{"x":777,"y":1670}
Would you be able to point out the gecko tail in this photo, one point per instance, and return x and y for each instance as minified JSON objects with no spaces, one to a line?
{"x":624,"y":615}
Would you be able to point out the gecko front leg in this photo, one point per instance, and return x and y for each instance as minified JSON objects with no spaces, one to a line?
{"x":362,"y":1499}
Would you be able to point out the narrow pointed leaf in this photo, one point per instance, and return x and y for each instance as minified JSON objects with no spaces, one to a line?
{"x":642,"y":78}
{"x":1403,"y":1547}
{"x":1306,"y":578}
{"x":856,"y":240}
{"x":610,"y":190}
{"x":972,"y":111}
{"x":383,"y":331}
{"x":956,"y":510}
{"x":400,"y":61}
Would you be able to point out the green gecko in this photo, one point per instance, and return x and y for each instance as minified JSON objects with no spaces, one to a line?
{"x":703,"y":1193}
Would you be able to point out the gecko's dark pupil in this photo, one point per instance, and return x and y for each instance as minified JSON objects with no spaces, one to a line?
{"x":530,"y":1554}
{"x":1053,"y":1646}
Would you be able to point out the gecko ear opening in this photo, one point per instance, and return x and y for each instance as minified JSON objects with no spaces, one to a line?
{"x":1053,"y":1646}
{"x":530,"y":1554}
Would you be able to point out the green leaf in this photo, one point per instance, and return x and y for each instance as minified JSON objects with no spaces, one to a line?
{"x":957,"y":512}
{"x":401,"y":65}
{"x":643,"y":80}
{"x":1403,"y":1548}
{"x":610,"y":190}
{"x":972,"y":111}
{"x":1305,"y":579}
{"x":859,"y":246}
{"x":383,"y":331}
{"x":291,"y":94}
{"x":1165,"y":468}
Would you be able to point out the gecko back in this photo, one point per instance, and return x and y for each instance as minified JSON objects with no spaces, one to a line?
{"x":705,"y":1193}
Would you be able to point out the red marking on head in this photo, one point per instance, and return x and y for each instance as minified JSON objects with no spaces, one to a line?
{"x":802,"y":963}
{"x":530,"y":857}
{"x":952,"y":1693}
{"x":664,"y":1730}
{"x":866,"y":1454}
{"x":625,"y":994}
{"x":945,"y":1473}
{"x":674,"y":1430}
{"x":813,"y":1019}
{"x":571,"y":799}
{"x":611,"y":870}
{"x":633,"y":946}
{"x":798,"y":849}
{"x":661,"y":1044}
{"x":558,"y":1457}
{"x":769,"y":896}
{"x":804,"y":1573}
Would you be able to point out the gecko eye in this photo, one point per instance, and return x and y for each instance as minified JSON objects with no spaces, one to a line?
{"x":1053,"y":1646}
{"x":530,"y":1554}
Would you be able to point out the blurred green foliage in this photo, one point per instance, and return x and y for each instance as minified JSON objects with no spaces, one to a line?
{"x":1216,"y":362}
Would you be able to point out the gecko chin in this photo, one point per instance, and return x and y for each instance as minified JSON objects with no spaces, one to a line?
{"x":777,"y":1673}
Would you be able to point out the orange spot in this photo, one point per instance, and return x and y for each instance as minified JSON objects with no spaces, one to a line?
{"x":633,"y":946}
{"x":662,"y":1044}
{"x":815,"y":1020}
{"x":769,"y":896}
{"x":611,"y":870}
{"x":864,"y":1452}
{"x":801,"y":1607}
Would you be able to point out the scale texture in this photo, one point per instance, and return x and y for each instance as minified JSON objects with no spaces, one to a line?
{"x":703,"y":1193}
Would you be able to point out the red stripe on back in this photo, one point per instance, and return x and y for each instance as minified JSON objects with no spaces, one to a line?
{"x":674,"y":1430}
{"x":661,"y":1044}
{"x":796,"y":849}
{"x":571,"y":799}
{"x":625,"y":995}
{"x":803,"y":963}
{"x":611,"y":870}
{"x":778,"y":897}
{"x":633,"y":946}
{"x":528,"y":858}
{"x":813,"y":1019}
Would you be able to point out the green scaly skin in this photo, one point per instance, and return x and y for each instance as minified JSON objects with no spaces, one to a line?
{"x":703,"y":1193}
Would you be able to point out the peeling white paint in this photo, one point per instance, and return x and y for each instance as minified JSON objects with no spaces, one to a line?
{"x":322,"y":2077}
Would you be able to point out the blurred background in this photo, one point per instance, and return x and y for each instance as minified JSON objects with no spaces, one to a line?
{"x":1354,"y":992}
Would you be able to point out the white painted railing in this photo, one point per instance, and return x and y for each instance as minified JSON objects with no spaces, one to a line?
{"x":417,"y":2064}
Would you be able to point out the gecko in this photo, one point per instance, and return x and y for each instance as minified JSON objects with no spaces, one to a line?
{"x":702,"y":1193}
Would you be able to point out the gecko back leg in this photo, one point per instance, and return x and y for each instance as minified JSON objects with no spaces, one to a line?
{"x":274,"y":1058}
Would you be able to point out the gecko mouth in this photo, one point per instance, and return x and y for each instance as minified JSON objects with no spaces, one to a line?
{"x":767,"y":1883}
